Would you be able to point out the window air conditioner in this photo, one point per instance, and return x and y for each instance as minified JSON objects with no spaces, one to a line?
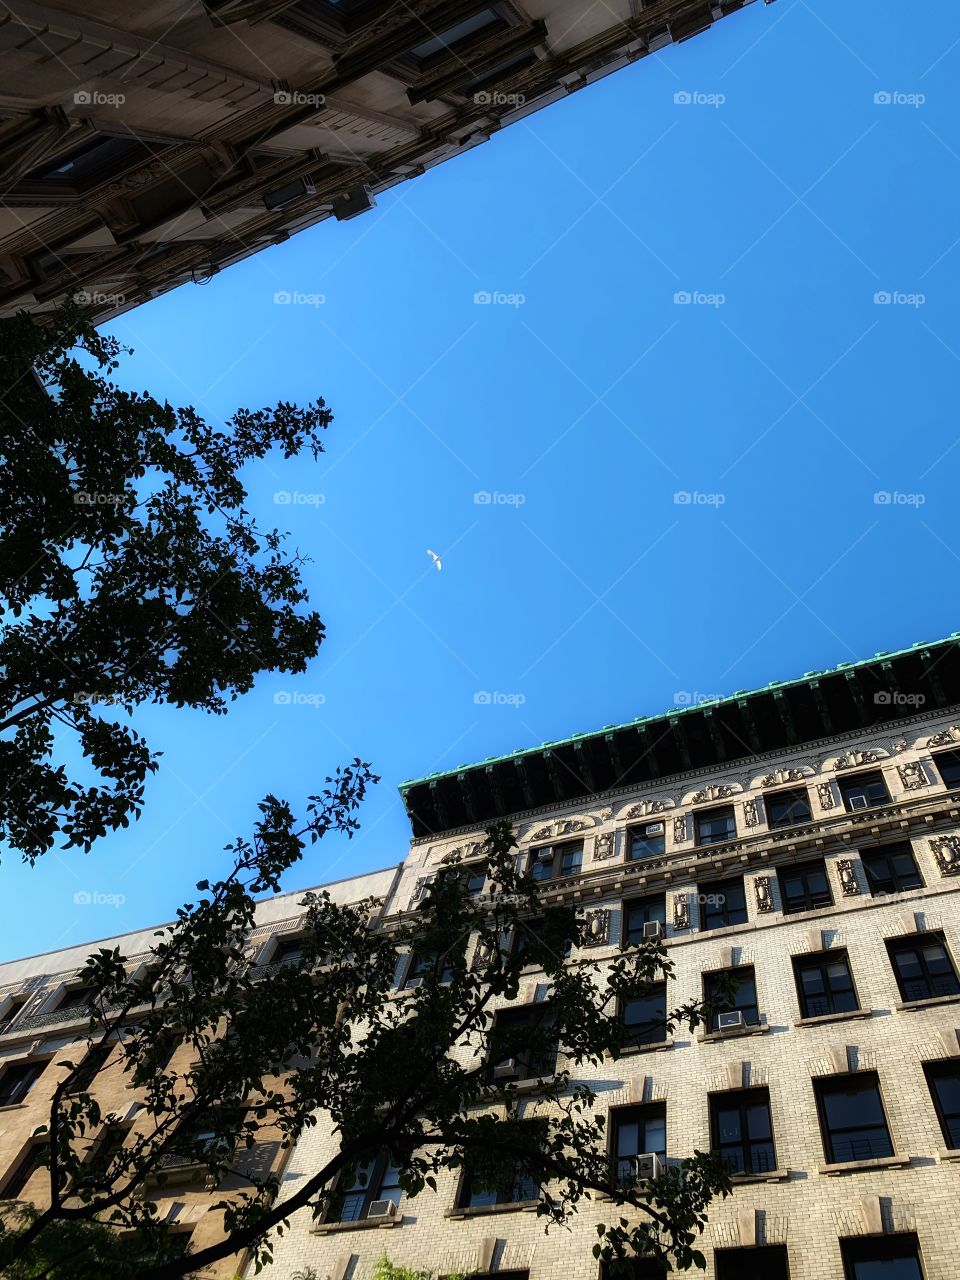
{"x":858,"y":802}
{"x":653,"y":929}
{"x":653,"y":829}
{"x":647,"y":1166}
{"x":505,"y":1070}
{"x":725,"y":1021}
{"x":382,"y":1209}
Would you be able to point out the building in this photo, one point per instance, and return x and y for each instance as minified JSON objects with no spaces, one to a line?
{"x":803,"y":839}
{"x":143,"y":146}
{"x":43,"y":1020}
{"x":806,"y":839}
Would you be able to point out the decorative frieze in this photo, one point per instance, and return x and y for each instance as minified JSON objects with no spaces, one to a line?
{"x":912,"y":775}
{"x":849,"y":885}
{"x":597,"y":933}
{"x":944,"y":737}
{"x":713,"y":793}
{"x":764,"y":894}
{"x":855,"y":759}
{"x":780,"y":776}
{"x":645,"y":808}
{"x":825,"y":795}
{"x":946,"y":850}
{"x":680,"y":828}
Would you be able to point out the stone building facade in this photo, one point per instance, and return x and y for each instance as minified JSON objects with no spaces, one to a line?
{"x":146,"y":145}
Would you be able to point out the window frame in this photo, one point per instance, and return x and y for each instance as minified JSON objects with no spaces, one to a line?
{"x":462,"y":1201}
{"x":27,"y":1064}
{"x":954,"y":756}
{"x":714,"y":814}
{"x":633,"y":836}
{"x":888,"y":852}
{"x":824,"y":1086}
{"x":712,"y":976}
{"x":864,"y":1244}
{"x":742,"y":1101}
{"x":820,"y":960}
{"x":772,"y":797}
{"x":637,"y":1113}
{"x":853,"y":781}
{"x":710,"y":888}
{"x":557,"y":853}
{"x":761,"y":1255}
{"x":917,"y":941}
{"x":25,"y":1164}
{"x":931,"y":1072}
{"x":631,"y":1040}
{"x":531,"y":1058}
{"x":804,"y":870}
{"x":379,"y":1167}
{"x":656,"y":902}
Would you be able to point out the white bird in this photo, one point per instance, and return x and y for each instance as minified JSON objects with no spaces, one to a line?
{"x":435,"y":558}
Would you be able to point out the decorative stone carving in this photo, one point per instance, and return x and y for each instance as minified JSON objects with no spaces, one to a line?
{"x":542,"y":833}
{"x":900,"y":744}
{"x":463,"y":851}
{"x":597,"y":933}
{"x":750,"y":815}
{"x":681,"y":911}
{"x":562,"y":827}
{"x":603,"y":846}
{"x":713,"y":793}
{"x":849,"y":886}
{"x":825,"y":795}
{"x":645,"y":808}
{"x":680,"y":828}
{"x":944,"y":737}
{"x":912,"y":776}
{"x":853,"y":759}
{"x":779,"y":776}
{"x":764,"y":896}
{"x":946,"y":850}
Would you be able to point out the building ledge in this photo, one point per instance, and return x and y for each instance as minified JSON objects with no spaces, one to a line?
{"x":364,"y":1224}
{"x":656,"y":1046}
{"x":930,"y":1003}
{"x":735,"y":1033}
{"x":775,"y":1175}
{"x":13,"y":1106}
{"x":864,"y":1166}
{"x":948,"y":1154}
{"x":521,"y":1206}
{"x":834,"y":1017}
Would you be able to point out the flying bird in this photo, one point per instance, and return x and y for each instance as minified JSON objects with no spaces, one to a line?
{"x":435,"y":558}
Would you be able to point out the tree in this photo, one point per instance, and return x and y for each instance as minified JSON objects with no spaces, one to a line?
{"x":276,"y":1049}
{"x":131,"y":571}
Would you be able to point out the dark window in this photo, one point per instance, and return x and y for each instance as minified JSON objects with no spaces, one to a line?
{"x":514,"y":1186}
{"x":91,"y":1066}
{"x":522,"y":1044}
{"x":458,"y":37}
{"x":76,"y":998}
{"x":24,"y":1169}
{"x":379,"y":1179}
{"x":714,"y":826}
{"x":766,"y":1263}
{"x":851,"y":1118}
{"x":742,"y":1131}
{"x":636,"y":1269}
{"x":644,"y":1017}
{"x":647,"y":841}
{"x":510,"y":67}
{"x":12,"y":1010}
{"x":529,"y":942}
{"x":424,"y":965}
{"x":923,"y":967}
{"x":637,"y":1131}
{"x":804,"y":888}
{"x":948,"y":766}
{"x":288,"y":951}
{"x":474,"y":879}
{"x":943,"y":1081}
{"x":863,"y":791}
{"x":17,"y":1080}
{"x":744,"y":997}
{"x":786,"y":808}
{"x":824,"y":984}
{"x":551,"y":861}
{"x":641,"y":911}
{"x":891,"y":869}
{"x":110,"y":1142}
{"x":722,"y":902}
{"x":881,"y":1258}
{"x":93,"y":158}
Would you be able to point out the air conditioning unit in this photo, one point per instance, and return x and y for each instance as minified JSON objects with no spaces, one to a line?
{"x":858,"y":802}
{"x":382,"y":1209}
{"x":653,"y":829}
{"x":505,"y":1070}
{"x":545,"y":855}
{"x":280,"y":197}
{"x":726,"y":1021}
{"x":647,"y":1166}
{"x":653,"y":929}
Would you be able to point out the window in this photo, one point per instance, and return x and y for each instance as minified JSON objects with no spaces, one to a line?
{"x":852,"y":1121}
{"x":109,"y":1144}
{"x":943,"y":1081}
{"x":378,"y":1179}
{"x":13,"y":1009}
{"x":722,"y":902}
{"x":948,"y":766}
{"x":423,"y":965}
{"x":551,"y":861}
{"x":514,"y":1186}
{"x":641,"y":911}
{"x":804,"y":888}
{"x":766,"y":1263}
{"x":647,"y":841}
{"x":824,"y":984}
{"x":18,"y":1079}
{"x":744,"y":997}
{"x":288,"y":951}
{"x":461,"y":34}
{"x":863,"y":791}
{"x":510,"y":67}
{"x":24,"y":1169}
{"x":529,"y":941}
{"x":92,"y":159}
{"x":637,"y":1131}
{"x":522,"y":1045}
{"x":891,"y":869}
{"x":636,"y":1269}
{"x":91,"y":1066}
{"x":786,"y":808}
{"x":923,"y":967}
{"x":714,"y":826}
{"x":474,"y":879}
{"x":742,"y":1131}
{"x":881,"y":1258}
{"x":644,"y":1017}
{"x":76,"y":998}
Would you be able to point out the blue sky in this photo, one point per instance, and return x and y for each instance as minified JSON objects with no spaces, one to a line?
{"x":781,"y":197}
